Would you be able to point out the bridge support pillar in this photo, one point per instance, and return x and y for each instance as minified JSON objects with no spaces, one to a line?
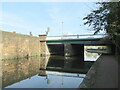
{"x":74,"y":50}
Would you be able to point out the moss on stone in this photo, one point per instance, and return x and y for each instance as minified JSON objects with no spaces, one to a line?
{"x":24,"y":57}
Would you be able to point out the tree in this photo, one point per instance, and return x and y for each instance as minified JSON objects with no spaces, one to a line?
{"x":106,"y":17}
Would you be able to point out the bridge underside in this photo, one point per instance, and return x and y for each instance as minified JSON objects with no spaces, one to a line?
{"x":67,"y":50}
{"x":74,"y":50}
{"x":73,"y":47}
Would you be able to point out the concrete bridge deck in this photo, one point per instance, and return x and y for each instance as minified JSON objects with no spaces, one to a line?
{"x":77,"y":39}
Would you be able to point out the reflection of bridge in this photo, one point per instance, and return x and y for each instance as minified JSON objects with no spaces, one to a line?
{"x":73,"y":45}
{"x":65,"y":66}
{"x":56,"y":73}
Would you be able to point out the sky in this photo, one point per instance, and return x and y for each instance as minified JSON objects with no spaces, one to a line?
{"x":36,"y":17}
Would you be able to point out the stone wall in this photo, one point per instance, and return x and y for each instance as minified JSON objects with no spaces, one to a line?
{"x":0,"y":61}
{"x":43,"y":44}
{"x":1,"y":45}
{"x":0,"y":74}
{"x":13,"y":45}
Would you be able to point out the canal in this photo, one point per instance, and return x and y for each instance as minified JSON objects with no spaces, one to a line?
{"x":46,"y":72}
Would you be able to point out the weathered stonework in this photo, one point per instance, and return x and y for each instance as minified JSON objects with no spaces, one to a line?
{"x":1,"y":45}
{"x":44,"y":47}
{"x":13,"y":45}
{"x":0,"y":74}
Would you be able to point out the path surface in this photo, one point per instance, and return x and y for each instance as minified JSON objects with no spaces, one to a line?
{"x":103,"y":74}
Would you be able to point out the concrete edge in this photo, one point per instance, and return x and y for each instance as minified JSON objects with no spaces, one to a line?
{"x":18,"y":33}
{"x":90,"y":75}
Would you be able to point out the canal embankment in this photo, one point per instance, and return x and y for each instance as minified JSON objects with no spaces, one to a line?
{"x":102,"y":74}
{"x":14,"y":45}
{"x":0,"y":74}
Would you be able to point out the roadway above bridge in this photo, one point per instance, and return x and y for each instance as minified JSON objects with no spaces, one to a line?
{"x":78,"y":39}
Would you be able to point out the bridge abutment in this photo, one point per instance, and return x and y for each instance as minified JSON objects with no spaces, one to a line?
{"x":43,"y":46}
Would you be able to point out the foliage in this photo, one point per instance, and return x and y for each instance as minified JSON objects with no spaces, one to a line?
{"x":106,"y":17}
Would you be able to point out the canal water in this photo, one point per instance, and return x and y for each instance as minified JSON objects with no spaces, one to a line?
{"x":46,"y":72}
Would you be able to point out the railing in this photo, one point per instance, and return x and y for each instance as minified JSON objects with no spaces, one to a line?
{"x":76,"y":36}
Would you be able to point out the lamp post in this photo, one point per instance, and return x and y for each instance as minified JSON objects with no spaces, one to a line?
{"x":48,"y":29}
{"x":62,"y":28}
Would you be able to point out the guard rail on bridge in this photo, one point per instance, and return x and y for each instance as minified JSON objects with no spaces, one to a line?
{"x":85,"y":36}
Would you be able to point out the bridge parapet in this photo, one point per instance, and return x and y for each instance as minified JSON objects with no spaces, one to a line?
{"x":43,"y":45}
{"x":85,"y":36}
{"x":42,"y":37}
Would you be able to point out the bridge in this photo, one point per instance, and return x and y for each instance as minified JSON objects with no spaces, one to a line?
{"x":73,"y":45}
{"x":78,"y":39}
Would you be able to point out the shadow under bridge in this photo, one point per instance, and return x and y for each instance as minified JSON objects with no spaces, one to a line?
{"x":73,"y":45}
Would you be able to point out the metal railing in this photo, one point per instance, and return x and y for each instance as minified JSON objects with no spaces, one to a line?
{"x":76,"y":36}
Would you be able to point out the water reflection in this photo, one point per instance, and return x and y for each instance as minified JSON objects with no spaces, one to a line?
{"x":17,"y":70}
{"x":44,"y":72}
{"x":68,"y":64}
{"x":55,"y":79}
{"x":91,"y":56}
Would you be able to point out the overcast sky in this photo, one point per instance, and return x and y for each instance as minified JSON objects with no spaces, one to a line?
{"x":35,"y":17}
